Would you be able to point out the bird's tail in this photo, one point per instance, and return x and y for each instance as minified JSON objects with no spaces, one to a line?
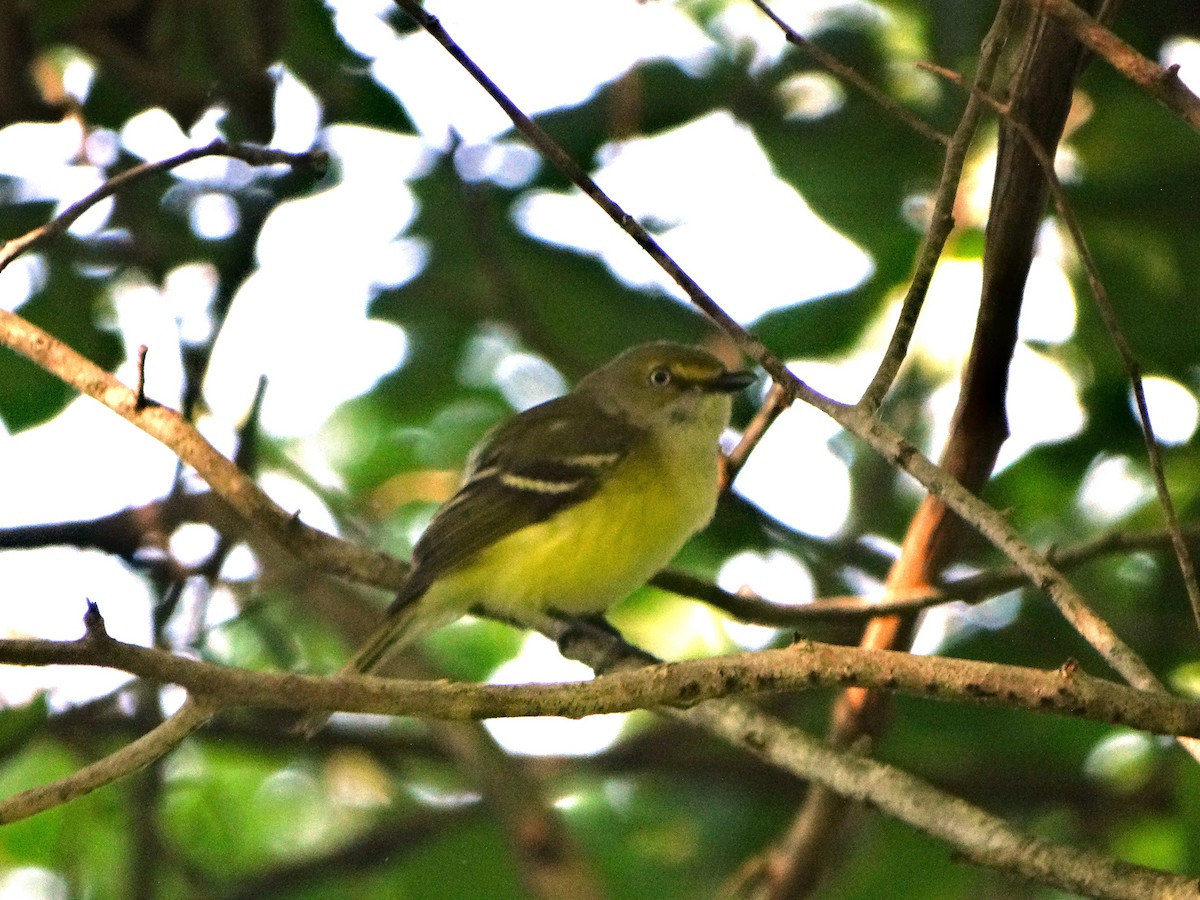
{"x":400,"y":629}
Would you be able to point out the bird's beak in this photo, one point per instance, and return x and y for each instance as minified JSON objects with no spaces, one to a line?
{"x":730,"y":382}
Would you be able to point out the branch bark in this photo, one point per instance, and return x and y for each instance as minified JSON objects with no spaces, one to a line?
{"x":803,"y":667}
{"x":317,"y":549}
{"x":979,"y":836}
{"x":1161,"y":83}
{"x":151,"y":746}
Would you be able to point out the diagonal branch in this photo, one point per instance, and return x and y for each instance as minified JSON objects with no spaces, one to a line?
{"x":1112,"y":325}
{"x":316,"y":548}
{"x":559,"y":157}
{"x":314,"y":161}
{"x":1161,"y":83}
{"x":854,"y":77}
{"x":1041,"y":86}
{"x":133,"y":756}
{"x":979,"y":836}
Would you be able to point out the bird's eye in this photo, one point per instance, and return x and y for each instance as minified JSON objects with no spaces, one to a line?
{"x":660,"y":377}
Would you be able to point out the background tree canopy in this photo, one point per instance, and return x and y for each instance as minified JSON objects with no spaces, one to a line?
{"x":345,"y":327}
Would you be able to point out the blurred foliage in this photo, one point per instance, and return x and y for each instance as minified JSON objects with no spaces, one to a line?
{"x":663,"y":811}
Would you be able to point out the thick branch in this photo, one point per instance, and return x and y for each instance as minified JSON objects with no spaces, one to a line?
{"x":982,"y":838}
{"x":1161,"y":83}
{"x":979,"y":836}
{"x":316,"y":548}
{"x":805,"y":666}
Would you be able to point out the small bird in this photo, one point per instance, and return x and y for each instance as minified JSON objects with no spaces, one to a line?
{"x":570,"y":506}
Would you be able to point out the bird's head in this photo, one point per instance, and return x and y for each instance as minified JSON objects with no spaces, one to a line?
{"x":663,"y":383}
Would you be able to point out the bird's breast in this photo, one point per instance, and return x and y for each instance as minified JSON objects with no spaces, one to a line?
{"x":592,"y":555}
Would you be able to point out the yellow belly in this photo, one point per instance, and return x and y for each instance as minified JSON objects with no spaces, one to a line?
{"x":593,"y":555}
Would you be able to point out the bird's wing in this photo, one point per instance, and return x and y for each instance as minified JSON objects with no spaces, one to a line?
{"x":531,"y":467}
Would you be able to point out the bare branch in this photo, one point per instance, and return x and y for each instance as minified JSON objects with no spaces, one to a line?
{"x":1161,"y":83}
{"x":316,"y":548}
{"x":981,"y":837}
{"x":862,"y":422}
{"x":550,"y":149}
{"x":368,"y":567}
{"x":1108,"y":315}
{"x":777,"y":401}
{"x":130,"y":758}
{"x":854,"y":77}
{"x":313,"y":161}
{"x":804,"y":666}
{"x":941,"y":216}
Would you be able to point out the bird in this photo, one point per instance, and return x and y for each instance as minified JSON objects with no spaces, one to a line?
{"x":570,"y":506}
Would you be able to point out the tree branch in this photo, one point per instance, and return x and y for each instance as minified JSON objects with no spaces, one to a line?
{"x":1112,"y":325}
{"x":941,"y":216}
{"x":888,"y":443}
{"x":854,"y":77}
{"x":557,"y":156}
{"x":316,"y":548}
{"x":133,"y":756}
{"x":1161,"y":83}
{"x":981,"y":837}
{"x":315,"y":161}
{"x":368,"y":567}
{"x":802,"y":667}
{"x":124,"y":533}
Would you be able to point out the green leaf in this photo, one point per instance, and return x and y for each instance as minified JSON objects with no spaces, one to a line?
{"x":65,"y":307}
{"x":18,"y":724}
{"x":315,"y":51}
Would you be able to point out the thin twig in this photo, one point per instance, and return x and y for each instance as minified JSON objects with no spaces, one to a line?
{"x":123,"y":533}
{"x":975,"y":588}
{"x":130,"y":758}
{"x":140,"y":402}
{"x":773,"y":406}
{"x":315,"y":161}
{"x":1161,"y":83}
{"x":1108,"y":316}
{"x":941,"y":217}
{"x":852,"y":75}
{"x":137,"y":754}
{"x":550,"y":149}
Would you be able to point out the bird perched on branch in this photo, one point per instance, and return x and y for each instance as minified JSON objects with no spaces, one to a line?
{"x":570,"y":506}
